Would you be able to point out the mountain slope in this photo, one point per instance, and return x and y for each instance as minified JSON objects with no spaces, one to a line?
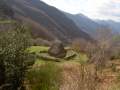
{"x":87,"y":25}
{"x":115,"y":26}
{"x":91,"y":26}
{"x":5,"y":11}
{"x":47,"y":22}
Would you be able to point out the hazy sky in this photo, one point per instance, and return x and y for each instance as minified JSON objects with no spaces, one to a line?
{"x":96,"y":9}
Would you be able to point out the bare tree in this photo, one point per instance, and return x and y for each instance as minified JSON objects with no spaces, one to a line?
{"x":104,"y":37}
{"x":99,"y":53}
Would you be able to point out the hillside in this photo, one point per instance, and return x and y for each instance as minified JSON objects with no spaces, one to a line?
{"x":91,"y":26}
{"x":83,"y":22}
{"x":46,"y":22}
{"x":111,"y":24}
{"x":5,"y":10}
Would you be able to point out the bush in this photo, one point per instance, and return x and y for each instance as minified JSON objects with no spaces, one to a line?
{"x":47,"y":77}
{"x":13,"y":56}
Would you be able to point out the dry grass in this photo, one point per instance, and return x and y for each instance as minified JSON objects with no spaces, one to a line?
{"x":78,"y":77}
{"x":85,"y":77}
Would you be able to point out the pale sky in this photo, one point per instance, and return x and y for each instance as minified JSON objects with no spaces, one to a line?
{"x":95,"y":9}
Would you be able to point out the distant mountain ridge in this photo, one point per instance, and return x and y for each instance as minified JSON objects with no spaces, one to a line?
{"x":49,"y":23}
{"x":113,"y":25}
{"x":46,"y":21}
{"x":87,"y":25}
{"x":91,"y":26}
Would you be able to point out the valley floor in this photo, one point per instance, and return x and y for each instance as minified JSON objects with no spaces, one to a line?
{"x":72,"y":75}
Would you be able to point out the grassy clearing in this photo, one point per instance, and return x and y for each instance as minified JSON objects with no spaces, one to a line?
{"x":49,"y":75}
{"x":71,"y":55}
{"x":38,"y":49}
{"x":64,"y":75}
{"x":7,"y":21}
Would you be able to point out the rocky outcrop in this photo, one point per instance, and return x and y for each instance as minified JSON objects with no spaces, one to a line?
{"x":57,"y":50}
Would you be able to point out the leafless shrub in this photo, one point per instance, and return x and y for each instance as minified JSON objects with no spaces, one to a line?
{"x":88,"y":78}
{"x":99,"y":53}
{"x":79,"y":77}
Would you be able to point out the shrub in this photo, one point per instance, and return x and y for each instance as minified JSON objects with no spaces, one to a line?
{"x":47,"y":77}
{"x":13,"y":56}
